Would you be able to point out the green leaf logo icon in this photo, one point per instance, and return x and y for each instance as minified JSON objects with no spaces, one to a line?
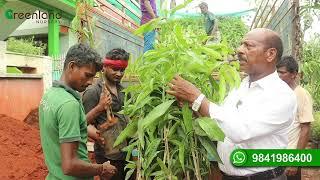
{"x":9,"y":14}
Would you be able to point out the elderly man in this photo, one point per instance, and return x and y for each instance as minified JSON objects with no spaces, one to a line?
{"x":299,"y":133}
{"x":258,"y":114}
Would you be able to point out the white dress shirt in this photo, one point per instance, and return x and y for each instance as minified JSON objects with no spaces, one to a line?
{"x":254,"y":116}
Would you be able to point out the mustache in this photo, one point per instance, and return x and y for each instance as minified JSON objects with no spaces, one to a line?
{"x":237,"y":57}
{"x":241,"y":58}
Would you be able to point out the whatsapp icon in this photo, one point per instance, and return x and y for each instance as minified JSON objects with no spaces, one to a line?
{"x":238,"y":157}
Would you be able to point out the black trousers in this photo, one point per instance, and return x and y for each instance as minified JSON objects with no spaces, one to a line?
{"x":295,"y":177}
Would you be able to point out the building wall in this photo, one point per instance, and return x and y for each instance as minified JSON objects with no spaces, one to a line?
{"x":110,"y":35}
{"x":3,"y":49}
{"x":66,"y":41}
{"x":42,"y":64}
{"x":19,"y":95}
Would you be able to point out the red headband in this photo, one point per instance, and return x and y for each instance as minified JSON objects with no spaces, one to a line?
{"x":115,"y":63}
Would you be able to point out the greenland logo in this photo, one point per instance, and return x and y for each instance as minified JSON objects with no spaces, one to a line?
{"x":8,"y":14}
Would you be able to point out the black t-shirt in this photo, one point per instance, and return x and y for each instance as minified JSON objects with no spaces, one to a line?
{"x":90,"y":100}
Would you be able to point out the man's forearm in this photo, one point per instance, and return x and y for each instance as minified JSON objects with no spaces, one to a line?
{"x":81,"y":168}
{"x":304,"y":136}
{"x":149,"y":8}
{"x":73,"y":166}
{"x":92,"y":132}
{"x":92,"y":114}
{"x":204,"y":108}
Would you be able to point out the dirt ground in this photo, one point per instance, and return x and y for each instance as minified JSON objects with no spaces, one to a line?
{"x":20,"y":151}
{"x":21,"y":156}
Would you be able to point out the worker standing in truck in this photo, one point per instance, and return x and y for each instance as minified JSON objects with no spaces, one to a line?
{"x":149,"y":12}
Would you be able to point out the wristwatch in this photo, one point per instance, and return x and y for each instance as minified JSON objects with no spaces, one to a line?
{"x":197,"y":103}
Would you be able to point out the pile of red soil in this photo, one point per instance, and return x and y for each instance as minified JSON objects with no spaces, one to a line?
{"x":33,"y":118}
{"x":21,"y":155}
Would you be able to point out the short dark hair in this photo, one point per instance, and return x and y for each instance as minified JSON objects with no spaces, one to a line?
{"x":118,"y":54}
{"x":274,"y":41}
{"x":203,"y":4}
{"x":290,"y":63}
{"x":82,"y":55}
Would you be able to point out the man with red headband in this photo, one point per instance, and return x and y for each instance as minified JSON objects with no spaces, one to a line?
{"x":108,"y":92}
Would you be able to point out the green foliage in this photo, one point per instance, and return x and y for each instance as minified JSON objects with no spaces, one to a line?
{"x":211,"y":128}
{"x":14,"y":70}
{"x":311,"y":69}
{"x":25,"y":46}
{"x":308,"y":10}
{"x":316,"y":127}
{"x":83,"y":24}
{"x":232,"y":29}
{"x":173,"y":143}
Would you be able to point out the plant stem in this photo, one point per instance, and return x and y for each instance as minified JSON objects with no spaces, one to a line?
{"x":163,"y":94}
{"x":166,"y":156}
{"x":198,"y":161}
{"x":195,"y":159}
{"x":188,"y":175}
{"x":138,"y":176}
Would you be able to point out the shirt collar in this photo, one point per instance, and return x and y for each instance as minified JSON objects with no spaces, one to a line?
{"x":100,"y":83}
{"x":266,"y":81}
{"x":60,"y":84}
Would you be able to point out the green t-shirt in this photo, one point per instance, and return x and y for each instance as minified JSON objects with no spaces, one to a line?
{"x":61,"y":119}
{"x":210,"y":21}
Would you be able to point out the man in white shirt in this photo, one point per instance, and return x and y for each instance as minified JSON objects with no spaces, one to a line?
{"x":258,"y":114}
{"x":300,"y":130}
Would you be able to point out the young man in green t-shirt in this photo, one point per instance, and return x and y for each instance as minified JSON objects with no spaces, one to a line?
{"x":62,"y":121}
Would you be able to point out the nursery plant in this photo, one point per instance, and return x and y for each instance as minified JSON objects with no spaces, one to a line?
{"x":172,"y":141}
